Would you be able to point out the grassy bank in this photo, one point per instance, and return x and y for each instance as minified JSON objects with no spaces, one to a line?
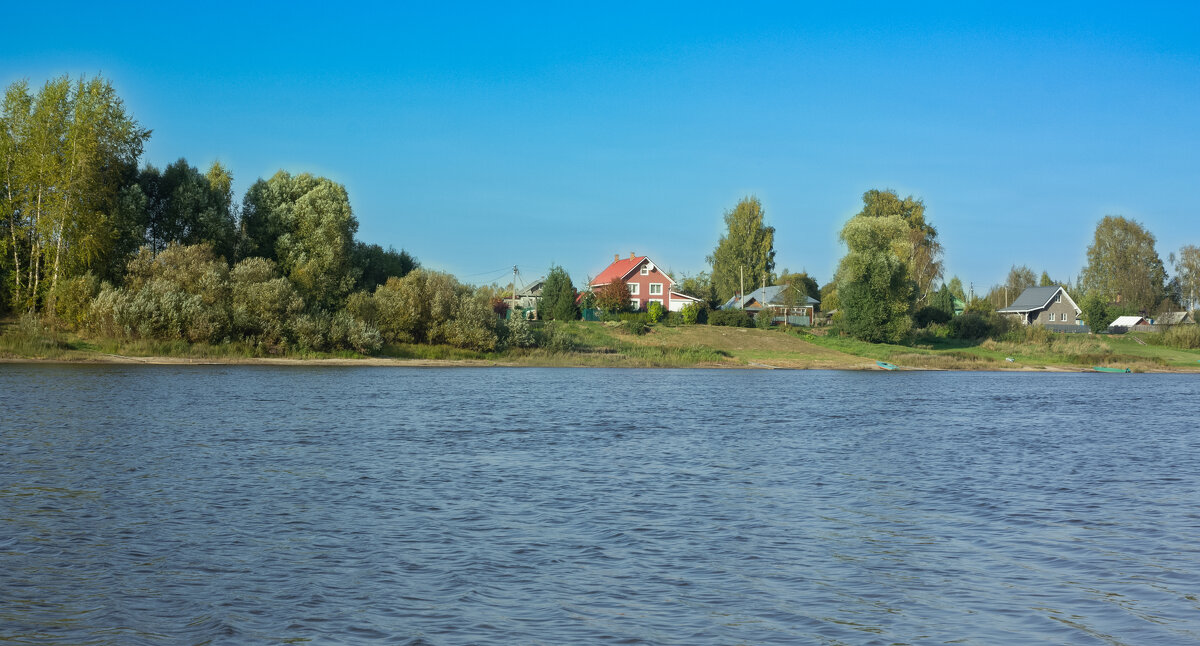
{"x":698,"y":346}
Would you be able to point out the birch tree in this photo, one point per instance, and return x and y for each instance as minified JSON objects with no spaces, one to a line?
{"x":66,"y":151}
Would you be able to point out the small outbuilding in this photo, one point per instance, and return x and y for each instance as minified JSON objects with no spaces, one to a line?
{"x":1124,"y":324}
{"x":1175,"y":318}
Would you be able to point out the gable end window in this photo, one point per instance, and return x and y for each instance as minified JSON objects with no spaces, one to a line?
{"x":646,"y":269}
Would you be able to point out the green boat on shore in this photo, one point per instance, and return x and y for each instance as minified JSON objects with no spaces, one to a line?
{"x":1103,"y":369}
{"x":885,"y":365}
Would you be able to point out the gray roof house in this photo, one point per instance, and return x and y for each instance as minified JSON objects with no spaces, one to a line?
{"x":529,"y":295}
{"x":800,"y":312}
{"x":1049,"y":306}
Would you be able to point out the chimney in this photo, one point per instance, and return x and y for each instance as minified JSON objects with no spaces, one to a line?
{"x":616,"y":257}
{"x":631,"y":255}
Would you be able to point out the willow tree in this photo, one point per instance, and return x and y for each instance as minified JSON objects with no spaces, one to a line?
{"x":919,"y":248}
{"x":67,"y":150}
{"x":874,"y":291}
{"x":305,"y":224}
{"x":1123,"y":266}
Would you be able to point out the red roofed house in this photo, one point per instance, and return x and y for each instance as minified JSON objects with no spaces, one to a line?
{"x":647,"y":283}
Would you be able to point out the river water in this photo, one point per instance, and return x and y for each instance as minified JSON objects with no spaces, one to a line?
{"x":216,"y":504}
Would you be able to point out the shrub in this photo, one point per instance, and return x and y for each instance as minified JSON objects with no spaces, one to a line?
{"x":518,"y":333}
{"x":474,"y":324}
{"x":637,"y":326}
{"x":654,"y":312}
{"x":975,"y":325}
{"x":71,"y":299}
{"x":310,"y":331}
{"x":416,"y":308}
{"x":765,"y":319}
{"x":350,"y":333}
{"x":1181,"y":336}
{"x":265,"y":304}
{"x":730,"y":318}
{"x":555,"y":338}
{"x":694,"y":313}
{"x":673,"y":319}
{"x":931,"y":315}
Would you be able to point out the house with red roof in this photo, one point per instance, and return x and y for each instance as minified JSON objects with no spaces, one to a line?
{"x":646,"y":281}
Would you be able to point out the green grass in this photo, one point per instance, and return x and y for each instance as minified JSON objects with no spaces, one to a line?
{"x":602,"y":345}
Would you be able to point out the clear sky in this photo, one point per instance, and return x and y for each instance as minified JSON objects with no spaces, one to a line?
{"x":479,"y":136}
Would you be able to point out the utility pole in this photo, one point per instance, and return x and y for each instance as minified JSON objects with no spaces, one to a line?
{"x":742,"y":282}
{"x":513,"y":310}
{"x":763,"y":305}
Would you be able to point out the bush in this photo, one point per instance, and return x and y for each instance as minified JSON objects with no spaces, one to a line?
{"x":636,"y":326}
{"x":673,"y":319}
{"x":730,"y":318}
{"x":694,"y":313}
{"x":265,"y":304}
{"x":555,"y":338}
{"x":765,"y":319}
{"x":71,"y":300}
{"x":654,"y":312}
{"x":474,"y":324}
{"x":310,"y":331}
{"x":931,"y":315}
{"x":1186,"y":337}
{"x":350,"y":333}
{"x":975,"y":325}
{"x":518,"y":333}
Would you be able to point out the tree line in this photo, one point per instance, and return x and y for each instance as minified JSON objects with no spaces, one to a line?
{"x":93,"y":240}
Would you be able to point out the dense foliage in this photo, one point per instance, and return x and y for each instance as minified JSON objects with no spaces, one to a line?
{"x":875,"y":292}
{"x":558,"y":296}
{"x":1123,"y":266}
{"x":745,"y":253}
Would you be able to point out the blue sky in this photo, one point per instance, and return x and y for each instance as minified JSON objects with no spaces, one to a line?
{"x":479,"y":136}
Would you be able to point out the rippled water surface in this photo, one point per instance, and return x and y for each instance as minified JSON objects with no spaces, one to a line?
{"x":167,"y":505}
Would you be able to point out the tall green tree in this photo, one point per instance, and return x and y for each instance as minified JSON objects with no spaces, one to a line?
{"x":1187,"y":271}
{"x":1123,"y":266}
{"x":874,"y":290}
{"x":558,"y":296}
{"x":920,"y":249}
{"x":67,"y":149}
{"x":956,"y":288}
{"x":700,"y":286}
{"x":185,"y":206}
{"x":746,"y":253}
{"x":374,"y":265}
{"x":1019,"y":278}
{"x":1045,"y":280}
{"x":305,"y":224}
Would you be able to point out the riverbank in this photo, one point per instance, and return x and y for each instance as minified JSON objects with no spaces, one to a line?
{"x":600,"y":345}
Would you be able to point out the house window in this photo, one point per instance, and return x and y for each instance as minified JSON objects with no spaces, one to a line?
{"x":636,"y":304}
{"x":1058,"y":297}
{"x":633,"y":289}
{"x":646,"y":269}
{"x":656,"y":289}
{"x":1051,"y":317}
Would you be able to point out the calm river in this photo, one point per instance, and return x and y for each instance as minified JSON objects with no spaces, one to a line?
{"x":230,"y":505}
